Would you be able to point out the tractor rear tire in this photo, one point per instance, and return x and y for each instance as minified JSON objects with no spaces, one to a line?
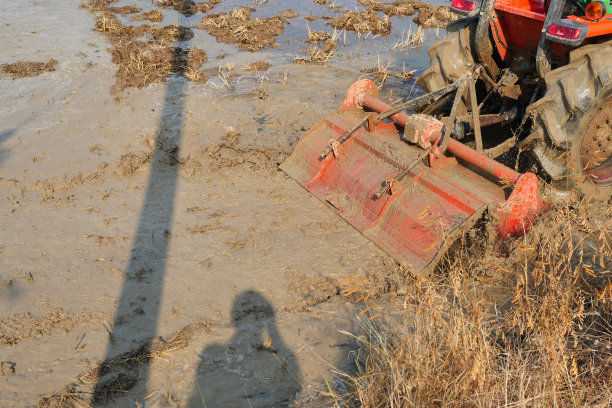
{"x":572,"y":124}
{"x":450,"y":58}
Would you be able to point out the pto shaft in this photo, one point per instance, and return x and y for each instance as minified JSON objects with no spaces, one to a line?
{"x":457,"y":149}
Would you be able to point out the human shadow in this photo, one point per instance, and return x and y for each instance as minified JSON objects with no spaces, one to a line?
{"x":136,"y":318}
{"x":254,"y":369}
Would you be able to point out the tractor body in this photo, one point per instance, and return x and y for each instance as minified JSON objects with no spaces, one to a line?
{"x":512,"y":76}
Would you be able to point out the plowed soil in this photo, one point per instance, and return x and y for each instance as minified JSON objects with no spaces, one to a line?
{"x":24,"y":69}
{"x":237,"y":27}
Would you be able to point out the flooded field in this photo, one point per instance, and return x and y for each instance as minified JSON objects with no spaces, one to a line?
{"x":151,"y":252}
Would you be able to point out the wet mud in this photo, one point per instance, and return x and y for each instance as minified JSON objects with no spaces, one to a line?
{"x":148,"y":53}
{"x":25,"y":326}
{"x":150,"y":244}
{"x":232,"y":158}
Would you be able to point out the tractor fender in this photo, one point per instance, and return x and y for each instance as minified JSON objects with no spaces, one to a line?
{"x":460,"y":23}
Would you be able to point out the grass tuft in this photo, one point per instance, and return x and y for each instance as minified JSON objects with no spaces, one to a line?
{"x":532,"y":328}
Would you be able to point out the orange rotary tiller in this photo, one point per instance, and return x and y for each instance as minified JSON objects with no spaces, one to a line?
{"x":403,"y":184}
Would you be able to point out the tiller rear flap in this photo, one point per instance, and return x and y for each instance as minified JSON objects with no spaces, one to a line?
{"x":411,"y":192}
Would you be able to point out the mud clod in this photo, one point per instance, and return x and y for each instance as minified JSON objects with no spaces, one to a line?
{"x":129,"y":361}
{"x":132,"y":161}
{"x":363,"y":22}
{"x":208,"y":5}
{"x":7,"y":368}
{"x":145,"y":62}
{"x":288,"y":13}
{"x":251,"y":306}
{"x":25,"y":69}
{"x":185,"y":7}
{"x":257,"y":66}
{"x":312,"y":290}
{"x":125,"y":10}
{"x":25,"y":326}
{"x":237,"y":27}
{"x":154,"y":16}
{"x":205,"y":229}
{"x":429,"y":15}
{"x":7,"y":284}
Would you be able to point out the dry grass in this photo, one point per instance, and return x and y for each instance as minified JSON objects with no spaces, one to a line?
{"x":223,"y":77}
{"x":410,"y":39}
{"x":545,"y":339}
{"x":382,"y":72}
{"x":66,"y":398}
{"x":322,"y":47}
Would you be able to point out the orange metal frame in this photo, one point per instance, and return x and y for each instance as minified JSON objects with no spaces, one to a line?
{"x":518,"y":24}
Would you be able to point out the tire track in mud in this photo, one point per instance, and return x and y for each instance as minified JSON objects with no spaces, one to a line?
{"x":120,"y":373}
{"x":59,"y":191}
{"x":26,"y":326}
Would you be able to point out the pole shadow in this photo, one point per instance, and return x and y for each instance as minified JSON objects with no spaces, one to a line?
{"x":137,"y":315}
{"x":4,"y":136}
{"x":254,"y":369}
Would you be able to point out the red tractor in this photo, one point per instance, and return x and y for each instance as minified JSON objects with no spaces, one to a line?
{"x":512,"y":76}
{"x":559,"y":56}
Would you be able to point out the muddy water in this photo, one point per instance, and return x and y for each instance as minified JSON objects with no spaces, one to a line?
{"x":355,"y":51}
{"x":165,"y":211}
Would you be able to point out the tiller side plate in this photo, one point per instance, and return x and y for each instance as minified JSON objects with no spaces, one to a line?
{"x":419,"y":217}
